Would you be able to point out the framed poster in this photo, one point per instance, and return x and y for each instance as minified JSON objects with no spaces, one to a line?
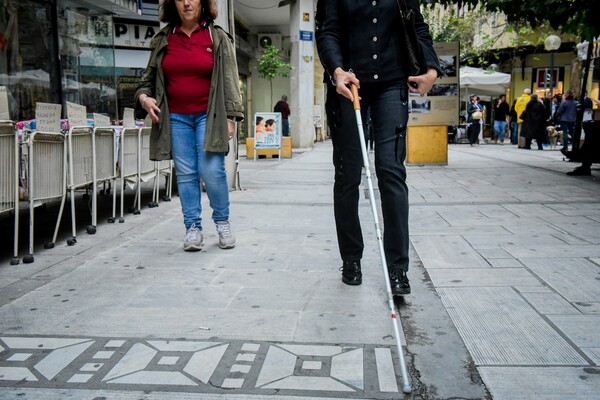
{"x":440,"y":105}
{"x":267,"y":130}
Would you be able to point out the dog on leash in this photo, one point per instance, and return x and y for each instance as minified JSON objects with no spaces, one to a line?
{"x":553,"y":135}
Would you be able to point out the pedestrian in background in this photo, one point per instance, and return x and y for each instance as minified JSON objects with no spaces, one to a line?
{"x":283,"y":107}
{"x":513,"y":123}
{"x":520,"y":106}
{"x":474,"y":117}
{"x":190,"y":90}
{"x":500,"y":115}
{"x":359,"y":43}
{"x":534,"y":123}
{"x":566,"y":116}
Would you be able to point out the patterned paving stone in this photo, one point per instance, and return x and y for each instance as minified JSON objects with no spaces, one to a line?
{"x":218,"y":367}
{"x":385,"y":368}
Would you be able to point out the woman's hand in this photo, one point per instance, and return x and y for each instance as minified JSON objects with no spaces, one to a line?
{"x":149,"y":104}
{"x":422,"y":84}
{"x":231,"y":127}
{"x":343,"y":79}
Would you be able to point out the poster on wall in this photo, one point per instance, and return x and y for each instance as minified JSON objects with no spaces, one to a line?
{"x":267,"y":130}
{"x":440,"y":106}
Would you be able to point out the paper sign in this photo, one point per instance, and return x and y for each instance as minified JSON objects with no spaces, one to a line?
{"x":76,"y":114}
{"x":101,"y":120}
{"x":4,"y":114}
{"x":47,"y":117}
{"x":128,"y":118}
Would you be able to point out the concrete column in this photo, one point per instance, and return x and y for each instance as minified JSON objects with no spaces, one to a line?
{"x":301,"y":100}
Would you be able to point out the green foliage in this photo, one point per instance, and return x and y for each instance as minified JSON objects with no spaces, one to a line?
{"x":463,"y":29}
{"x":270,"y":66}
{"x":482,"y":46}
{"x":578,"y":17}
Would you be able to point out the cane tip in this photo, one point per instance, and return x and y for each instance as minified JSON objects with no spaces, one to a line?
{"x":407,"y":389}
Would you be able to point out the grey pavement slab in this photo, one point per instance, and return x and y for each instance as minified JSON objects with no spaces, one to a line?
{"x":447,"y":252}
{"x":482,"y":277}
{"x":577,"y":279}
{"x":551,"y":383}
{"x":481,"y":314}
{"x":581,"y":329}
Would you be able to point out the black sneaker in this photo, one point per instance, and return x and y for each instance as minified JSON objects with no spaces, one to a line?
{"x":351,"y":274}
{"x":398,"y":280}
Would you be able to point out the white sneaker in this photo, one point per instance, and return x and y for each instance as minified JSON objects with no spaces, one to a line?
{"x":226,"y":238}
{"x":193,"y":239}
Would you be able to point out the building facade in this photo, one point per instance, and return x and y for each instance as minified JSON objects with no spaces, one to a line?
{"x":55,"y":51}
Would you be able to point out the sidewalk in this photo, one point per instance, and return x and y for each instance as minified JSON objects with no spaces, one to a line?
{"x":505,"y":273}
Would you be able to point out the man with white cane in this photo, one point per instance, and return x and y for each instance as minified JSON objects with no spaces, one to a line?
{"x":359,"y":43}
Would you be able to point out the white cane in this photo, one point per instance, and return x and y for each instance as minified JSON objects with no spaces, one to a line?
{"x":406,"y":387}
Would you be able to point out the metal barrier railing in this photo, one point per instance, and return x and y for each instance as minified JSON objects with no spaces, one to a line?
{"x":9,"y":178}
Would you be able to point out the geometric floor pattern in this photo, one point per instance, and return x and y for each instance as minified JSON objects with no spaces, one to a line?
{"x":234,"y":367}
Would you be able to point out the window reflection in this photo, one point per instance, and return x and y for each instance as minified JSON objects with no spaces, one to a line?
{"x":87,"y":58}
{"x":54,"y":57}
{"x":27,"y":56}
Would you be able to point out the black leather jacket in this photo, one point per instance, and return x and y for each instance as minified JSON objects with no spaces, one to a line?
{"x":364,"y":36}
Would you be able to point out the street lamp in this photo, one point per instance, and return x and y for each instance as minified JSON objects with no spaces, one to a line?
{"x":551,"y":44}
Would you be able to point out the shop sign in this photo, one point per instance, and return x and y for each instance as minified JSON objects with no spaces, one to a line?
{"x":134,"y":35}
{"x":544,"y":76}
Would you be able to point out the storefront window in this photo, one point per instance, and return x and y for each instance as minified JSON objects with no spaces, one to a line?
{"x":28,"y":62}
{"x":87,"y":57}
{"x":55,"y":52}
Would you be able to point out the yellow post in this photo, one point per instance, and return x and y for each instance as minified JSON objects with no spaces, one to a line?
{"x":427,"y":145}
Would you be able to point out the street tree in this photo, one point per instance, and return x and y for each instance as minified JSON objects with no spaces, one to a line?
{"x":270,"y":66}
{"x":578,"y":17}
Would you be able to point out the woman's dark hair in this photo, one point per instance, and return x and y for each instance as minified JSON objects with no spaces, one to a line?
{"x":569,"y":95}
{"x":258,"y":119}
{"x":169,"y":14}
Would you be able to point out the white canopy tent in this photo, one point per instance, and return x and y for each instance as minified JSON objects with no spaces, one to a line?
{"x":483,"y":82}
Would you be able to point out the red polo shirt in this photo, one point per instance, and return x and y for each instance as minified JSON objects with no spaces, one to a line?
{"x":188,"y":66}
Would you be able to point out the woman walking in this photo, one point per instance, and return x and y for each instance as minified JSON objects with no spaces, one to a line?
{"x":190,"y":90}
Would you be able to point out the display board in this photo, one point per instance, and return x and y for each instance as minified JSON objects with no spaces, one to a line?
{"x":440,"y":106}
{"x":267,"y":130}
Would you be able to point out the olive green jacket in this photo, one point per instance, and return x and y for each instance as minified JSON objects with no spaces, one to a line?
{"x":224,"y":99}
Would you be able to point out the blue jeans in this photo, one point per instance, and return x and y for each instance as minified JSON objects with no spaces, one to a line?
{"x":514,"y":133}
{"x":193,"y":165}
{"x":499,"y":130}
{"x":388,"y":104}
{"x":567,"y":128}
